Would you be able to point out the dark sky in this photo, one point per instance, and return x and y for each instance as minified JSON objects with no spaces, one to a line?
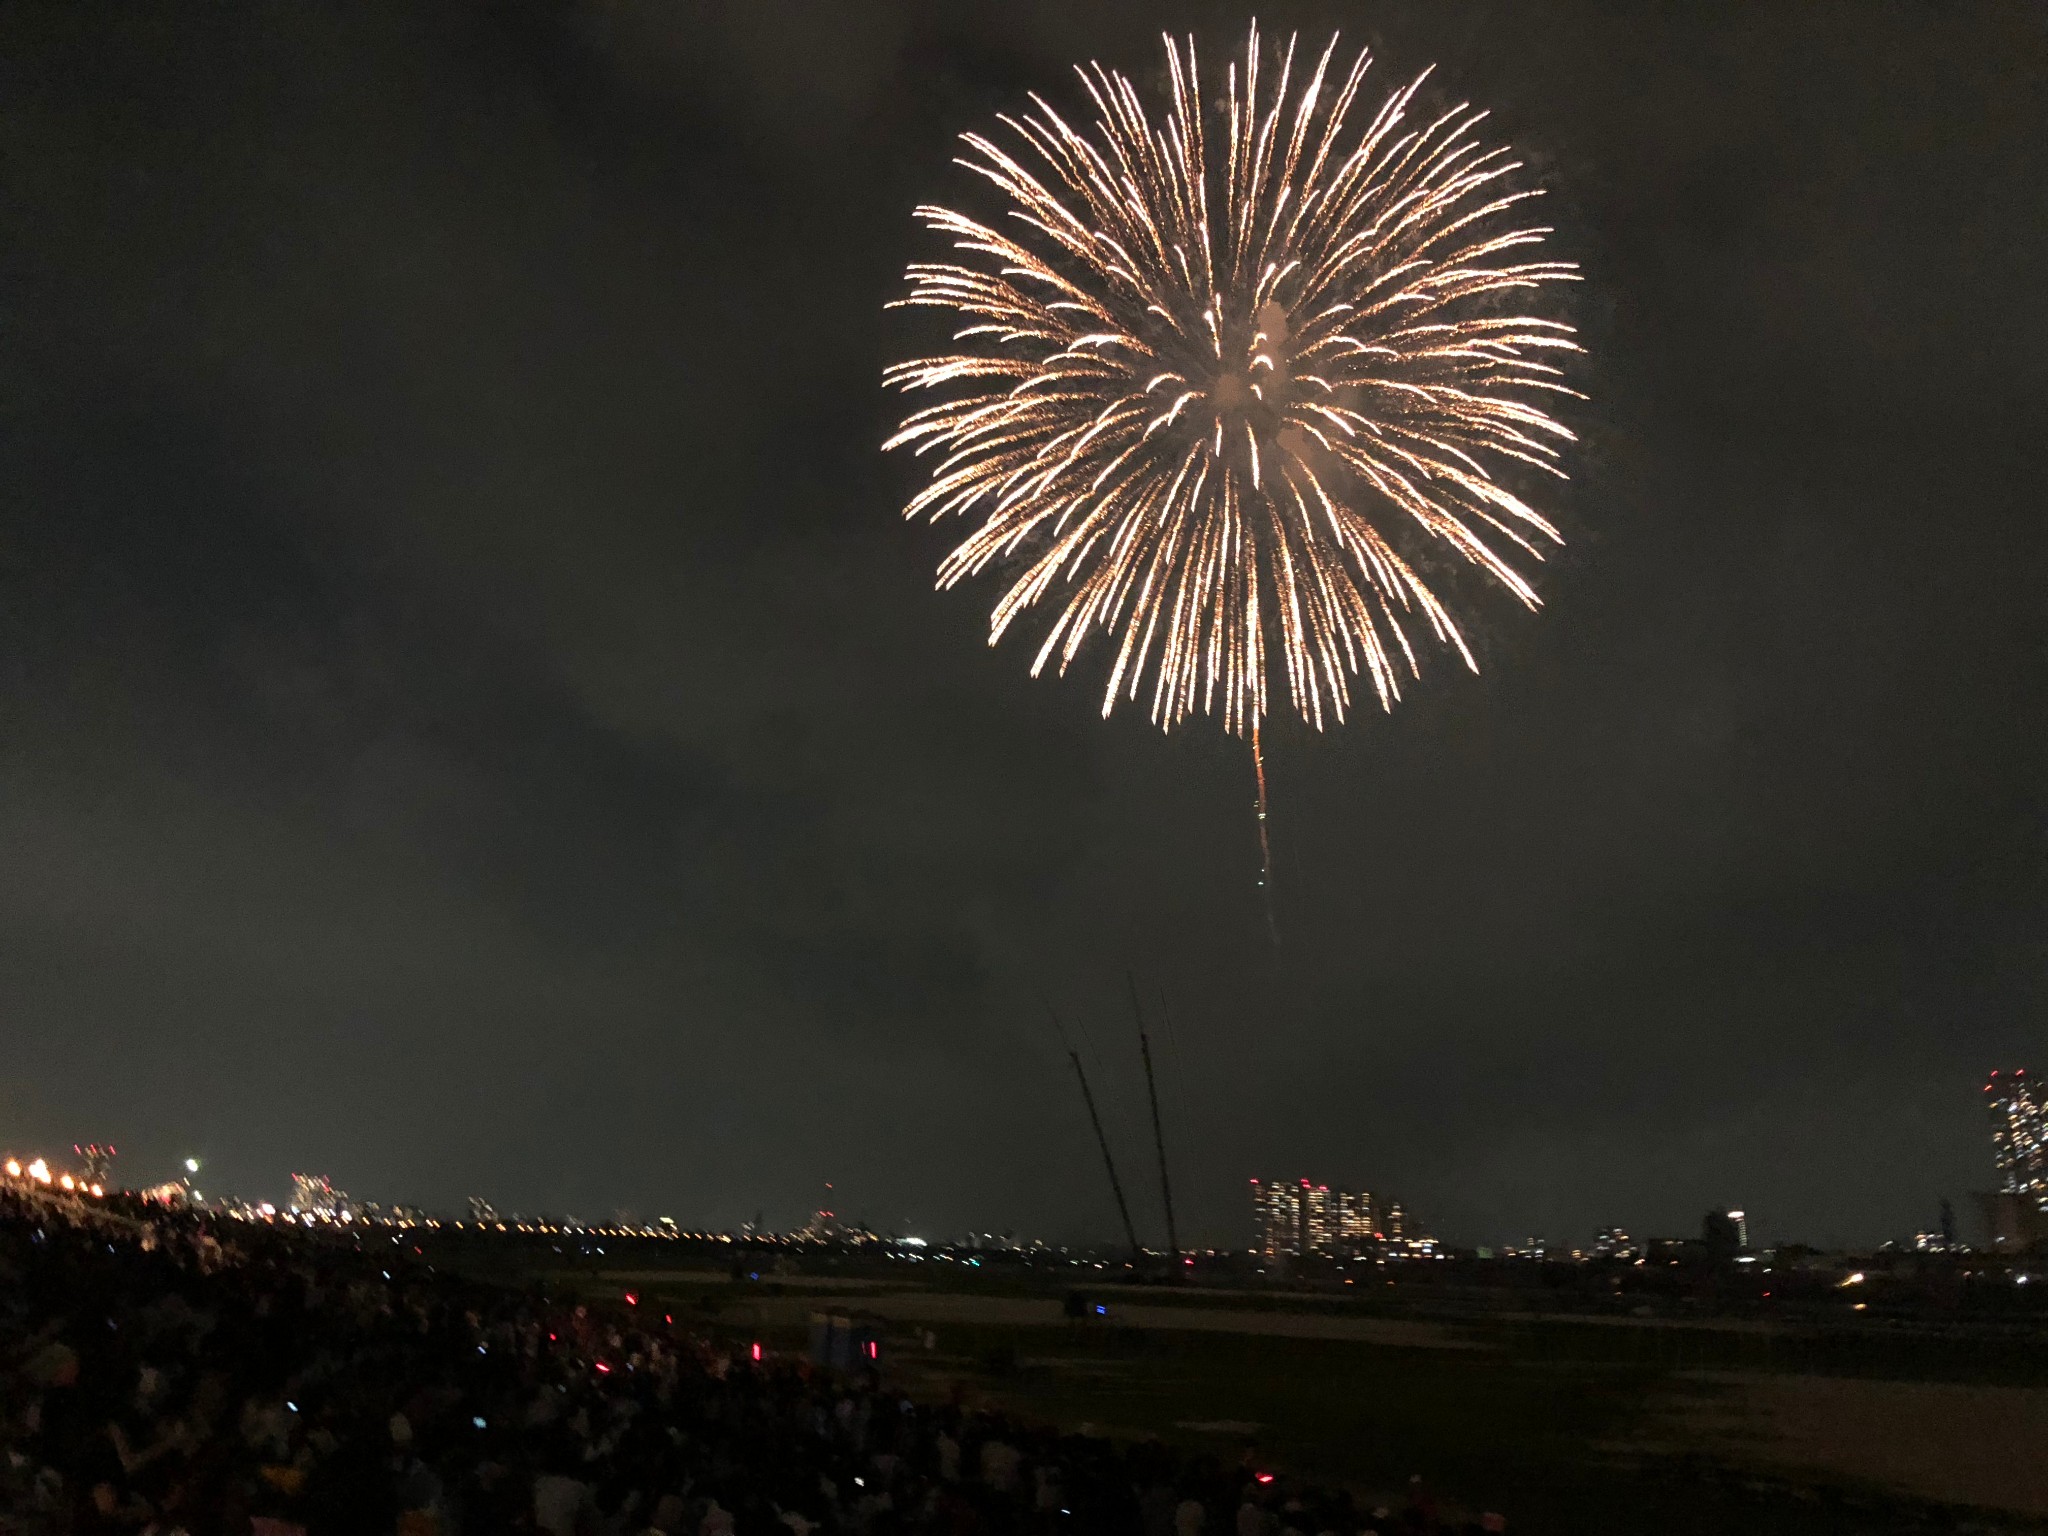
{"x":472,"y":721}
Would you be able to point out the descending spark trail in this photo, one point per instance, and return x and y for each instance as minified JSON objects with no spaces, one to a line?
{"x":1265,"y":841}
{"x":1220,"y":397}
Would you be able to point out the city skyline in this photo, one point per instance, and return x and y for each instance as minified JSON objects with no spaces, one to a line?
{"x":1292,"y":1218}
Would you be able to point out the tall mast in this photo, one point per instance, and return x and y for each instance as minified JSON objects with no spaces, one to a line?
{"x":1115,"y":1184}
{"x":1158,"y":1136}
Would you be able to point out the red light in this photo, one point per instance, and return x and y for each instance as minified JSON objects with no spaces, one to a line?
{"x":757,"y":1351}
{"x":632,"y":1298}
{"x":874,"y":1350}
{"x":1265,"y":1477}
{"x":668,"y":1317}
{"x":551,"y":1338}
{"x":603,"y":1369}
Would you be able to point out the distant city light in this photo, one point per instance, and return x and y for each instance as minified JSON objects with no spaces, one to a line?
{"x":1298,"y":1218}
{"x":191,"y":1165}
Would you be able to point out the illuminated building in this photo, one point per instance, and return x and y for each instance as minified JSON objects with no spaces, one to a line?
{"x":2019,"y":1135}
{"x":1276,"y":1218}
{"x":2015,"y":1214}
{"x":314,"y":1194}
{"x":823,"y":1227}
{"x":1318,"y":1227}
{"x":1405,"y":1234}
{"x":1357,"y":1221}
{"x":1291,"y":1218}
{"x":1614,"y":1243}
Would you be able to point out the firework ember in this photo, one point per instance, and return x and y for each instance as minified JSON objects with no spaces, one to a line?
{"x":1218,"y":385}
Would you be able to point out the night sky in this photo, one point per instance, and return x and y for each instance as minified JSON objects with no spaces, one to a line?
{"x":473,"y":722}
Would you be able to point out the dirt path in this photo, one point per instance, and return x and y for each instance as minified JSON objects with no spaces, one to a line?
{"x":939,"y":1307}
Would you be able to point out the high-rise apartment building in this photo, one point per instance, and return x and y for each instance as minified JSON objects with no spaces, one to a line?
{"x":1357,"y":1223}
{"x":1318,"y":1220}
{"x":1295,"y":1217}
{"x":2019,"y":1135}
{"x":1276,"y":1218}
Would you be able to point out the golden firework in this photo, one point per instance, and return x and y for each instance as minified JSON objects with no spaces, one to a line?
{"x":1206,"y":392}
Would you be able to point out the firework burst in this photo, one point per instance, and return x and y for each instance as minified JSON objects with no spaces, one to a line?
{"x":1207,"y":389}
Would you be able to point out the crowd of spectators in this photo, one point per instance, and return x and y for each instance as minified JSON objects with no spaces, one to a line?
{"x":161,"y":1372}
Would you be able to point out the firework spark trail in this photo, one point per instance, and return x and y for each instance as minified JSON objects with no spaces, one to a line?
{"x":1265,"y":842}
{"x":1205,"y":392}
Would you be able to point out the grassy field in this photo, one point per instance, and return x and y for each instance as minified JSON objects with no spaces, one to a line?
{"x":1567,"y":1425}
{"x":1560,"y":1445}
